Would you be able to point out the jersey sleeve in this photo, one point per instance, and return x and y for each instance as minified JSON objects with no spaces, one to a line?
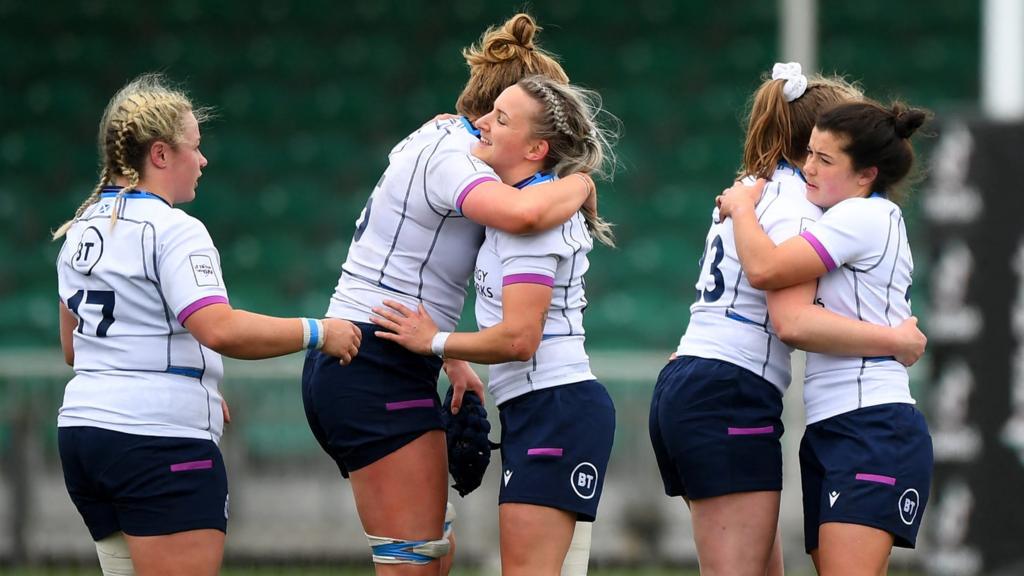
{"x":788,"y":214}
{"x":188,"y":265}
{"x":847,"y":233}
{"x":529,"y":259}
{"x":452,"y":173}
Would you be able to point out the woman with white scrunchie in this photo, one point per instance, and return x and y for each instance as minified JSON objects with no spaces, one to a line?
{"x":716,"y":411}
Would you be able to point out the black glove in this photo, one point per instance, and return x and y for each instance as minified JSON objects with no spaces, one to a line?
{"x":469,"y":449}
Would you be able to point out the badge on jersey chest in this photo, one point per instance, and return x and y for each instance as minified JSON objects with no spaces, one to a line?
{"x":89,"y":251}
{"x":203,"y":270}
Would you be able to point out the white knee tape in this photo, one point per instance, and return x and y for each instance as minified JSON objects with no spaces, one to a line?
{"x":449,"y":520}
{"x":115,"y":559}
{"x":578,"y":556}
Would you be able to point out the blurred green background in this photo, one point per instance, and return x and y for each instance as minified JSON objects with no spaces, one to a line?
{"x":310,"y":98}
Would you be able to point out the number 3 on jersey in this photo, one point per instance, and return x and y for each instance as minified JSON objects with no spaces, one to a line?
{"x":711,"y":283}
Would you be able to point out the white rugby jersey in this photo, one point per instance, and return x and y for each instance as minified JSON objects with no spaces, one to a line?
{"x":729,"y":320}
{"x":863,"y":243}
{"x":137,"y":369}
{"x":412,"y":243}
{"x":556,"y":258}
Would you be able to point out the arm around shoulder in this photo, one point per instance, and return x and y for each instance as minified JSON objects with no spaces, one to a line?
{"x":529,"y":210}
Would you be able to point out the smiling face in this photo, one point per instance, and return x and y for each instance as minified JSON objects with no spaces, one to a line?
{"x":831,"y":177}
{"x":506,"y":136}
{"x":185,"y":162}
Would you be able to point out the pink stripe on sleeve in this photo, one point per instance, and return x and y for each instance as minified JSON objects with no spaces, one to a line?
{"x":826,"y":258}
{"x":528,"y":279}
{"x":198,"y":305}
{"x":465,"y":191}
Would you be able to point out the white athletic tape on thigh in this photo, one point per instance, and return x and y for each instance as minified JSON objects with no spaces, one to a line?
{"x":115,"y":558}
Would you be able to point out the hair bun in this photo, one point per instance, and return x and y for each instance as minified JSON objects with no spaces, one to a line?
{"x":522,"y":27}
{"x":514,"y":36}
{"x":906,"y":120}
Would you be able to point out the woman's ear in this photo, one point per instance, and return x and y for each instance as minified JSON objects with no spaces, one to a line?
{"x":538,"y":150}
{"x":158,"y":154}
{"x":866,"y":176}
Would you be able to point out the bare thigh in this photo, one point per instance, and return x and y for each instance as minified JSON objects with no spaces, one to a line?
{"x":534,"y":539}
{"x":735,"y":533}
{"x":190,"y":553}
{"x":852,"y":550}
{"x":403,"y":496}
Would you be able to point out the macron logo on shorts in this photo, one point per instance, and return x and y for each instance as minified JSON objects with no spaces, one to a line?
{"x":832,"y":497}
{"x":508,"y":476}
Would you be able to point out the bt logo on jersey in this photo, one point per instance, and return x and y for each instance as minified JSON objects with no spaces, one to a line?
{"x":90,"y":248}
{"x":584,"y":480}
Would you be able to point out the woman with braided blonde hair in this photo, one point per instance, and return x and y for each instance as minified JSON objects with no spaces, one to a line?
{"x":379,"y":418}
{"x":144,"y":319}
{"x":557,"y":420}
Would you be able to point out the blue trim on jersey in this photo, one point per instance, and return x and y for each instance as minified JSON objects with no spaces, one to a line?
{"x":877,"y":195}
{"x":113,"y":191}
{"x":196,"y":373}
{"x":784,"y":164}
{"x":538,"y":178}
{"x":879,"y":358}
{"x":469,"y":126}
{"x":732,"y":315}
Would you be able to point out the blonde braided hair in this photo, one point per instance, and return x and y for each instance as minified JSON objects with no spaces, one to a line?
{"x":577,"y":141}
{"x":556,"y":109}
{"x":144,"y":111}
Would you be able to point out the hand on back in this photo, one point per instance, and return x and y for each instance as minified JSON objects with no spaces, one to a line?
{"x":739,"y":196}
{"x":912,"y":342}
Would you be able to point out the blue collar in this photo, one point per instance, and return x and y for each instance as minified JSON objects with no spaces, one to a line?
{"x":784,"y":164}
{"x":469,"y":126}
{"x":538,"y":178}
{"x":113,"y":191}
{"x":877,"y":195}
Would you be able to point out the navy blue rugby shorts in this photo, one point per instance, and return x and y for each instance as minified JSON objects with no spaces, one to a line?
{"x":871,"y":466}
{"x":555,"y":445}
{"x":386,"y":398}
{"x":716,"y":429}
{"x":143,"y":485}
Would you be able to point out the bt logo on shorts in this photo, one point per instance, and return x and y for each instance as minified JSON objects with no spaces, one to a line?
{"x":908,"y":505}
{"x":584,"y":480}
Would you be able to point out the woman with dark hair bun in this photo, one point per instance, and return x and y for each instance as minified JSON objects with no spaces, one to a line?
{"x":866,"y":457}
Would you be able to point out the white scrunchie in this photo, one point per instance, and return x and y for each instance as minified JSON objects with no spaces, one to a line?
{"x":796,"y":82}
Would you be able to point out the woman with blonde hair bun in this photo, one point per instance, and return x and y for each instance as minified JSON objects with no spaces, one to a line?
{"x":415,"y":243}
{"x":529,"y":307}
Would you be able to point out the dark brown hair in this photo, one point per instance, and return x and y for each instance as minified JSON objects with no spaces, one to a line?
{"x":877,"y":136}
